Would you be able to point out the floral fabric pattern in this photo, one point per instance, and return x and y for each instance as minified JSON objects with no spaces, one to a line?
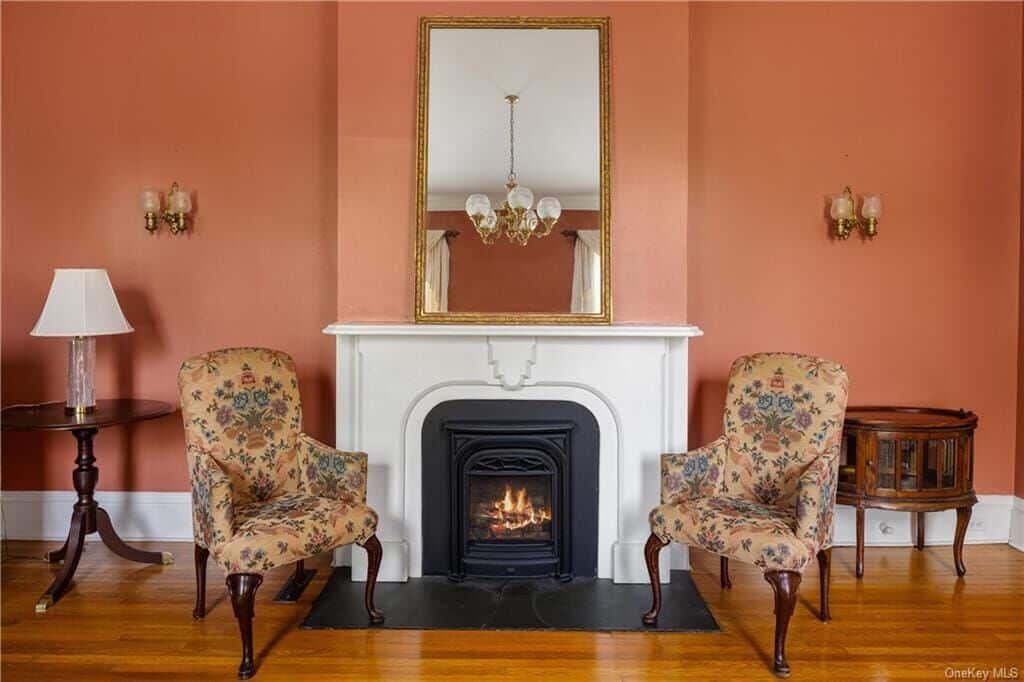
{"x":242,"y":405}
{"x":746,"y":531}
{"x":292,"y":527}
{"x":212,"y":506}
{"x":692,"y":474}
{"x":263,"y":493}
{"x":332,"y":473}
{"x":773,"y":489}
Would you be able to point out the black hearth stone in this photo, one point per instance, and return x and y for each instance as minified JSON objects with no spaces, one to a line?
{"x":436,"y":603}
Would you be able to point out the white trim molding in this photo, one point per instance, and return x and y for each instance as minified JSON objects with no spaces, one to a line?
{"x":167,"y":516}
{"x":990,"y":524}
{"x":1017,"y":524}
{"x":371,"y":329}
{"x":46,"y":514}
{"x":631,"y":378}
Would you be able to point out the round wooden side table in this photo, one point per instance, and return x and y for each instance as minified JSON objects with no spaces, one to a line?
{"x":914,"y":459}
{"x":87,"y":516}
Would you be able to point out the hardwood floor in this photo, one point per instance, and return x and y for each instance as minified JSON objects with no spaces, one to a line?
{"x":910,"y":618}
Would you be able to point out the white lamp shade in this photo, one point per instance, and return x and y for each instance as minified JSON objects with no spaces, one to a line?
{"x":81,"y":303}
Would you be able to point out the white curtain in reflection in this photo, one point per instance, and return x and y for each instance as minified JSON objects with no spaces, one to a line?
{"x":435,"y":276}
{"x":586,"y":272}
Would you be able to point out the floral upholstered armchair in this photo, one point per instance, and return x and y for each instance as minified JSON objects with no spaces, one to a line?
{"x":264,"y":494}
{"x":764,"y":492}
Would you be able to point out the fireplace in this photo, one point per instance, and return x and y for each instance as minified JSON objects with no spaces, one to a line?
{"x":513,"y":485}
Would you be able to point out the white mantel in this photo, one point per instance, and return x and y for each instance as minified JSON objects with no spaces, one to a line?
{"x":632,"y":378}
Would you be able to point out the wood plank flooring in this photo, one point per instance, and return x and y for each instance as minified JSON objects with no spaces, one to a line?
{"x":910,"y":618}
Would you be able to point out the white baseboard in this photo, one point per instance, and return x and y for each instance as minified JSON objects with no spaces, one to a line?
{"x":46,"y":514}
{"x":629,"y":565}
{"x":1017,"y":524}
{"x":394,"y":565}
{"x":990,"y":524}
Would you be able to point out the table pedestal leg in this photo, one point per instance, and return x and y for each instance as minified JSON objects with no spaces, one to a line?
{"x":57,"y":554}
{"x":120,"y":548}
{"x":88,"y":517}
{"x":60,"y":585}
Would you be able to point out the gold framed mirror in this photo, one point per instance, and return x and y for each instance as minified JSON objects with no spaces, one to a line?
{"x":513,"y":214}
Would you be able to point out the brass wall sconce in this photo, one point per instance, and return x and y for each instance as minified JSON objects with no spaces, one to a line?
{"x":844,"y":214}
{"x":179,"y":205}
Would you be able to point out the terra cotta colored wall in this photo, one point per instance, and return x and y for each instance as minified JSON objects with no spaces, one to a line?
{"x":1019,"y":486}
{"x":921,"y":102}
{"x":236,"y":100}
{"x":296,"y":126}
{"x":377,"y":152}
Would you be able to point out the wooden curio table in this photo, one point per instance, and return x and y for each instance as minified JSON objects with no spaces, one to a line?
{"x":87,"y":516}
{"x":911,"y":459}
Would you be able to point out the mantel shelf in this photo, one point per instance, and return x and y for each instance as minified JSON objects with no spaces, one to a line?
{"x":600,"y":331}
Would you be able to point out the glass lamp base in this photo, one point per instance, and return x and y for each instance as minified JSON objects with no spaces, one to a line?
{"x":81,"y":375}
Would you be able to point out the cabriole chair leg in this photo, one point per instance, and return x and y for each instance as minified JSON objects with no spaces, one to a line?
{"x":201,"y":555}
{"x":242,"y":588}
{"x":724,"y":570}
{"x":825,"y":578}
{"x":785,"y":585}
{"x":374,"y":554}
{"x":651,"y":551}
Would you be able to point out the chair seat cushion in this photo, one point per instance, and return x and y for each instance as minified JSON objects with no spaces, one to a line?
{"x":290,"y":527}
{"x":747,"y":531}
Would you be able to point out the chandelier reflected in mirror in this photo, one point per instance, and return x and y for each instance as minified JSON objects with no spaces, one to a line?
{"x":516,"y":219}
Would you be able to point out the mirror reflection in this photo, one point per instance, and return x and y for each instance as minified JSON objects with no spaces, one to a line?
{"x":513,"y":179}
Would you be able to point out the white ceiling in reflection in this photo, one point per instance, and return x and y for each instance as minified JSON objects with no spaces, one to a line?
{"x":556,"y":75}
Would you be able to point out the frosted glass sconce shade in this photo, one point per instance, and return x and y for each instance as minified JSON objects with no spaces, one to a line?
{"x":872,"y":207}
{"x":150,"y":200}
{"x":180,"y":201}
{"x":179,"y":205}
{"x":842,"y":207}
{"x":844,"y":214}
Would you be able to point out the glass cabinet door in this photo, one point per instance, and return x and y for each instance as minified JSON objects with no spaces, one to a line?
{"x":886,"y":464}
{"x":909,"y":465}
{"x":947,"y":466}
{"x":848,"y":463}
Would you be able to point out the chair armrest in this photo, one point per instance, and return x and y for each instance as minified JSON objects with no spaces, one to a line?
{"x":213,"y":513}
{"x":332,"y":473}
{"x":692,"y":474}
{"x":816,"y":499}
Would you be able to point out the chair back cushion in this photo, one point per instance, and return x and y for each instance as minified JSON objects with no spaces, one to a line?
{"x":783,"y":411}
{"x":241,"y":405}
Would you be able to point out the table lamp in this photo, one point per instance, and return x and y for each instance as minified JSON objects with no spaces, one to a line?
{"x":81,"y":306}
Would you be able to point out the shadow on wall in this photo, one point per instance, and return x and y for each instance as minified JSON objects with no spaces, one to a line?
{"x":324,"y":407}
{"x":128,"y":353}
{"x":706,"y":415}
{"x":25,"y":381}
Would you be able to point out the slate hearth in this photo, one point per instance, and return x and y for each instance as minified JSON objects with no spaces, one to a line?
{"x":437,"y":603}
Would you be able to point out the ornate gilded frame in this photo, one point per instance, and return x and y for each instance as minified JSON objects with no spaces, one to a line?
{"x":601,"y":25}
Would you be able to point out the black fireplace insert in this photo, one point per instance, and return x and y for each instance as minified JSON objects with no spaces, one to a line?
{"x":510,"y":489}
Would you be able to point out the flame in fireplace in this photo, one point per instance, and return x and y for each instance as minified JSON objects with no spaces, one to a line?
{"x":514,"y":512}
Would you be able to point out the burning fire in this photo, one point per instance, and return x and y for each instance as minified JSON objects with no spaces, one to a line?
{"x":514,"y":513}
